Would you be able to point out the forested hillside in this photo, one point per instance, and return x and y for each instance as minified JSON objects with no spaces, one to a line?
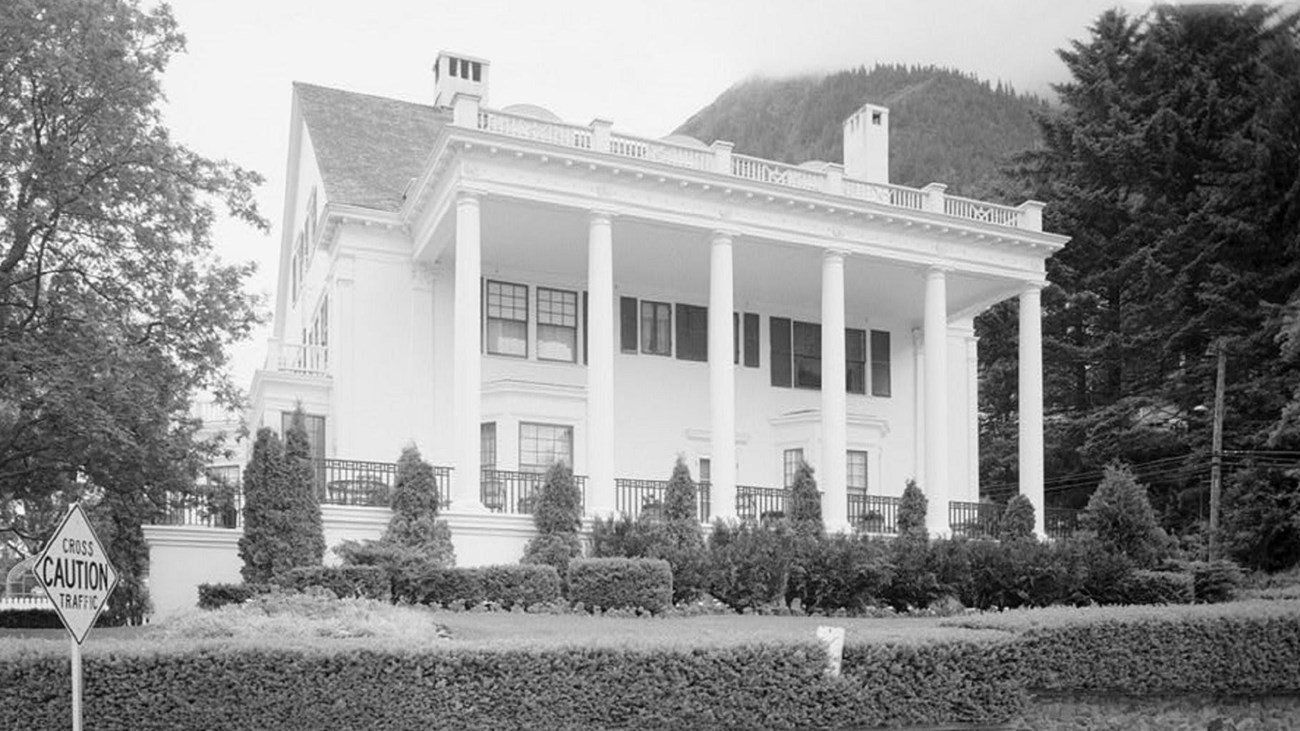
{"x":945,"y":126}
{"x":1173,"y":162}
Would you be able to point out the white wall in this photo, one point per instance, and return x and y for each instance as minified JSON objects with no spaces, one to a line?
{"x":182,"y":557}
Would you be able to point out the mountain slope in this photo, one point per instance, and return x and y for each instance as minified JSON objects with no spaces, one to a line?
{"x":946,"y":126}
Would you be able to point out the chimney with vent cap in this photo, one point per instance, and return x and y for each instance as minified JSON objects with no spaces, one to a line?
{"x":457,"y":73}
{"x":866,"y":144}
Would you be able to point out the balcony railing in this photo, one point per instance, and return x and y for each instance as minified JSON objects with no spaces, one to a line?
{"x":761,"y":503}
{"x":505,"y":491}
{"x":874,"y":513}
{"x":635,"y":498}
{"x":355,"y":482}
{"x":307,"y":360}
{"x":719,"y":158}
{"x":1060,"y":522}
{"x":218,"y":504}
{"x":974,"y":520}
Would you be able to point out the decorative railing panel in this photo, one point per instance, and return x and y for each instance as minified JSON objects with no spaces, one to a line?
{"x":974,"y":520}
{"x":980,"y":211}
{"x":309,"y":360}
{"x":635,"y":498}
{"x":874,"y":513}
{"x":217,"y":503}
{"x":17,"y":602}
{"x":778,"y":173}
{"x":761,"y":503}
{"x":529,"y":128}
{"x":659,"y":151}
{"x":505,"y":491}
{"x":1060,"y":523}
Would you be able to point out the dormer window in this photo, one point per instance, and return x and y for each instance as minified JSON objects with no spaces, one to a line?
{"x":876,"y":118}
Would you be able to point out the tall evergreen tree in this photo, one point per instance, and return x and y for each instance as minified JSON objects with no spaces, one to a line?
{"x":282,"y":522}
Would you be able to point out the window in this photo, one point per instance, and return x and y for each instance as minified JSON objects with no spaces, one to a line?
{"x":315,"y":431}
{"x":507,"y":319}
{"x":487,"y":445}
{"x":855,"y":357}
{"x":780,"y":340}
{"x":309,"y":225}
{"x":856,"y":476}
{"x":692,"y":332}
{"x":656,"y":328}
{"x":879,"y":363}
{"x":751,"y":340}
{"x":792,"y":458}
{"x":627,"y":324}
{"x":542,"y":445}
{"x":735,"y":338}
{"x":298,"y":267}
{"x":557,"y":325}
{"x":706,"y":469}
{"x":807,"y":350}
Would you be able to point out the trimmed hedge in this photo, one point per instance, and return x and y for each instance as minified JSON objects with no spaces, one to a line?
{"x":463,"y":588}
{"x":30,"y":619}
{"x":215,"y":596}
{"x":333,"y":687}
{"x":621,"y":583}
{"x":346,"y":582}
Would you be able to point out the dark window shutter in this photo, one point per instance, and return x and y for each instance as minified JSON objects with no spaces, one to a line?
{"x":735,"y":338}
{"x":627,"y":324}
{"x":779,"y":328}
{"x":880,"y":378}
{"x":751,"y":340}
{"x":855,"y":357}
{"x":692,"y":332}
{"x":584,"y":326}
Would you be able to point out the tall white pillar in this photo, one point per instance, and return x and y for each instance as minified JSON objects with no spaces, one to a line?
{"x":722,"y":378}
{"x":936,"y":400}
{"x":600,"y":365}
{"x":834,"y":467}
{"x":468,"y":368}
{"x":1031,"y":401}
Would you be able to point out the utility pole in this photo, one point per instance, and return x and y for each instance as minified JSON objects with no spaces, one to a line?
{"x":1216,"y":456}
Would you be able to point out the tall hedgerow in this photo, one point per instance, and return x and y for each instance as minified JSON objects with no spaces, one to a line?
{"x":415,"y":540}
{"x":911,"y":513}
{"x":1017,"y":520}
{"x":282,"y":523}
{"x":558,"y":517}
{"x":806,"y":503}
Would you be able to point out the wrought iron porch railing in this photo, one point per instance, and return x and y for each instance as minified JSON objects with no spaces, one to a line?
{"x":634,"y":498}
{"x":1060,"y":523}
{"x":974,"y":520}
{"x":874,"y":513}
{"x":506,"y":491}
{"x":754,"y":503}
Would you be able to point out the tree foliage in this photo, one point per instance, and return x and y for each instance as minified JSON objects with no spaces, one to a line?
{"x":558,"y":517}
{"x":911,"y":513}
{"x":113,"y":309}
{"x":680,"y":497}
{"x":1119,"y":514}
{"x":806,"y":502}
{"x":1017,"y":520}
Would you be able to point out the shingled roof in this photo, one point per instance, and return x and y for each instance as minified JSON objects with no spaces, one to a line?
{"x":367,"y":147}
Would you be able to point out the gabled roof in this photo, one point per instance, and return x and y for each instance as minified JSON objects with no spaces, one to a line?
{"x":367,"y":147}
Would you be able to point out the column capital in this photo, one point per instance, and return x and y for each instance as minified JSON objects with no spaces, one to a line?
{"x":600,"y":215}
{"x":718,"y":234}
{"x":936,"y":270}
{"x":469,"y":196}
{"x":1033,"y":287}
{"x":835,"y":253}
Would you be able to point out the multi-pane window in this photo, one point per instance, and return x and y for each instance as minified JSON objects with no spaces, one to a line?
{"x":557,"y":324}
{"x":487,"y":445}
{"x":656,"y":328}
{"x":856,"y":476}
{"x":880,"y":363}
{"x":542,"y":445}
{"x":298,"y":265}
{"x":315,"y":426}
{"x":507,"y":319}
{"x":807,"y":350}
{"x":855,"y":360}
{"x":751,"y":340}
{"x":706,"y":469}
{"x":692,"y":332}
{"x":791,"y":459}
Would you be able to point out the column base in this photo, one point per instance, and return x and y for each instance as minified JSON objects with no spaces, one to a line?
{"x":468,"y":506}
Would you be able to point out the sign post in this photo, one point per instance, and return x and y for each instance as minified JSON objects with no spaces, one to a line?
{"x":76,"y":574}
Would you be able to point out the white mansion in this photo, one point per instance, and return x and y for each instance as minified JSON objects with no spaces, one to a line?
{"x":506,"y":289}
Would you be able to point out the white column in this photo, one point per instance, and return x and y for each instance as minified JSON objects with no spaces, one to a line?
{"x":600,"y":365}
{"x":832,"y":473}
{"x":1031,"y":401}
{"x":468,"y":367}
{"x":722,"y":379}
{"x":936,"y":400}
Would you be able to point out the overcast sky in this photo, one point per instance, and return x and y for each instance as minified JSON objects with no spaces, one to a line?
{"x":647,"y":65}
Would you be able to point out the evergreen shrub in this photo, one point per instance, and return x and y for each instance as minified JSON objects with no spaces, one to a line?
{"x":1159,"y":587}
{"x":840,"y":573}
{"x":1214,"y":581}
{"x":282,"y":523}
{"x":214,"y":596}
{"x":1017,"y":522}
{"x":749,"y":566}
{"x":558,"y":516}
{"x":911,"y":513}
{"x":345,"y":582}
{"x":621,"y":583}
{"x":1119,"y":514}
{"x":505,"y":586}
{"x":806,"y":503}
{"x":30,"y":619}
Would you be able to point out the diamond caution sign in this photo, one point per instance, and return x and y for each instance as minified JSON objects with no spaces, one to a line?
{"x":76,"y":573}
